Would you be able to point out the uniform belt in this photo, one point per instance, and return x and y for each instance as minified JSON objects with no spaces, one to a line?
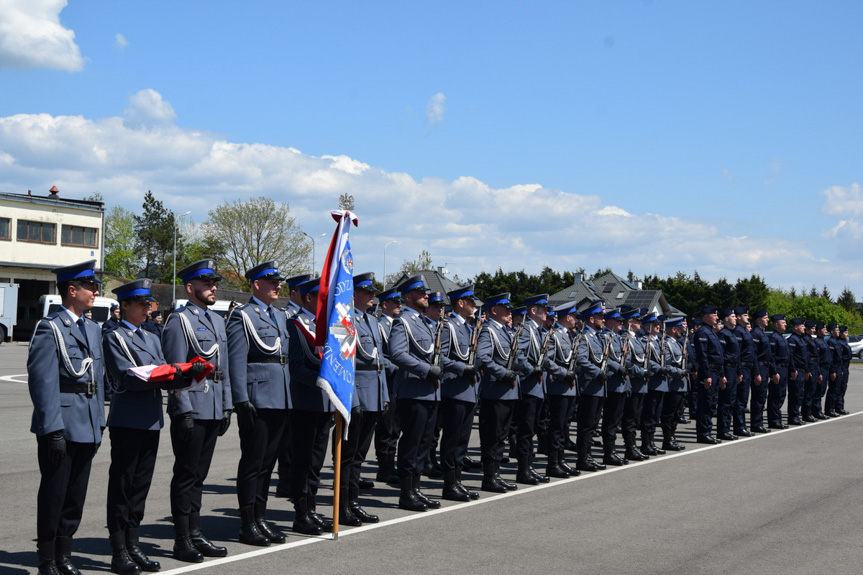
{"x":280,"y":359}
{"x":87,"y":388}
{"x":715,"y":366}
{"x":781,"y":364}
{"x":826,"y":365}
{"x":746,"y":364}
{"x":216,"y":376}
{"x":378,"y":368}
{"x":731,"y":365}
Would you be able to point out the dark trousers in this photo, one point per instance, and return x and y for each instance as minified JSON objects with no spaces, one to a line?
{"x":589,"y":407}
{"x":820,"y":391}
{"x":632,"y":408}
{"x":612,"y":415}
{"x":652,"y":411}
{"x":527,"y":413}
{"x":434,"y":436}
{"x":417,"y":418}
{"x":758,"y":400}
{"x":62,"y":489}
{"x":191,"y":465}
{"x":457,"y":419}
{"x":707,"y":398}
{"x":495,"y":418}
{"x":310,"y":433}
{"x":843,"y":387}
{"x":742,"y":399}
{"x":795,"y":394}
{"x":832,"y":391}
{"x":727,"y":406}
{"x":671,"y":405}
{"x":133,"y":459}
{"x":387,"y":431}
{"x":356,"y":447}
{"x":809,"y":390}
{"x":776,"y":393}
{"x":559,"y":412}
{"x":259,"y":448}
{"x":284,"y":458}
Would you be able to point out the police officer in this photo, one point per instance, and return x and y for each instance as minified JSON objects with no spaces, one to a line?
{"x":710,"y":361}
{"x":113,"y":321}
{"x":499,"y":361}
{"x":826,"y":370}
{"x":657,"y":384}
{"x":595,"y":366}
{"x":799,"y":370}
{"x":387,"y":430}
{"x":417,"y":388}
{"x":458,"y":392}
{"x":676,"y":375}
{"x":533,"y":343}
{"x":435,"y":313}
{"x":561,"y":388}
{"x":726,"y":411}
{"x":846,"y":365}
{"x":201,"y":414}
{"x":311,"y":415}
{"x":64,"y":375}
{"x":747,"y":370}
{"x":134,"y":422}
{"x":370,"y":399}
{"x":295,"y":299}
{"x":835,"y":344}
{"x":617,"y":387}
{"x":258,"y":363}
{"x":761,"y":373}
{"x":813,"y":378}
{"x":780,"y":372}
{"x":640,"y":367}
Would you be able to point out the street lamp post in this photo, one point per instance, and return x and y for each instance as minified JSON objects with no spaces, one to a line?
{"x":174,"y":278}
{"x":313,"y":248}
{"x":385,"y":262}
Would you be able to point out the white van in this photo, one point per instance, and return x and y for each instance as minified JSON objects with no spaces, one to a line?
{"x":220,"y":307}
{"x":101,"y":307}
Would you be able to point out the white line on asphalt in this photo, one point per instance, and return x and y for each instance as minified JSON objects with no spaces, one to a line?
{"x":485,"y":499}
{"x":12,"y":378}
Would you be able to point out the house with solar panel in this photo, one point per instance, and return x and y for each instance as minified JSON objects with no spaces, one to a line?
{"x":615,"y":291}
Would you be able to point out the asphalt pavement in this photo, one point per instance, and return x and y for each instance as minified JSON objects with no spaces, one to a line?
{"x":784,"y":503}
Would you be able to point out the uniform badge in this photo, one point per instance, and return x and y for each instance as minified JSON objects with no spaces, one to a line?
{"x":257,"y":309}
{"x":194,"y":311}
{"x":130,"y":333}
{"x":67,"y":322}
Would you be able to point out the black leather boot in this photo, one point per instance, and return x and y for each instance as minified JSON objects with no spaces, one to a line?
{"x":200,"y":541}
{"x":359,"y":512}
{"x":249,"y":532}
{"x":430,"y":503}
{"x":408,"y":499}
{"x":585,"y":461}
{"x":137,"y":554}
{"x":47,"y":563}
{"x":451,"y":492}
{"x":325,"y":523}
{"x":553,"y":469}
{"x":346,"y":515}
{"x":63,"y":556}
{"x":489,"y":483}
{"x":473,"y":495}
{"x":561,"y":460}
{"x":184,"y":549}
{"x":523,"y":474}
{"x":610,"y":457}
{"x":510,"y":486}
{"x":303,"y":522}
{"x":669,"y":443}
{"x":658,"y":450}
{"x":646,"y":447}
{"x":387,"y":471}
{"x":121,"y":562}
{"x":632,"y":451}
{"x":274,"y":535}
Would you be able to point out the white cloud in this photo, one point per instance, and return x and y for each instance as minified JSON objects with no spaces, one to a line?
{"x":842,"y":201}
{"x":149,"y":109}
{"x":435,"y":108}
{"x":120,"y":42}
{"x":31,"y":36}
{"x":465,"y":222}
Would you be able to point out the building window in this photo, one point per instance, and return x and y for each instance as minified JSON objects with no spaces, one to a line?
{"x":78,"y":236}
{"x":35,"y":232}
{"x":5,"y":229}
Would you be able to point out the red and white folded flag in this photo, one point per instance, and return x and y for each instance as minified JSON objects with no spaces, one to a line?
{"x":166,"y":372}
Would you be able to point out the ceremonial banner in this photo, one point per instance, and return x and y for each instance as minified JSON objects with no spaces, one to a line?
{"x":334,"y":320}
{"x":158,"y":373}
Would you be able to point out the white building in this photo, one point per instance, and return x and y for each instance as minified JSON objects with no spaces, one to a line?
{"x":40,"y":233}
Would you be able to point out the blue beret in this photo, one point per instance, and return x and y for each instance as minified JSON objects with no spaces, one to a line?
{"x":809,"y":323}
{"x":726,"y":312}
{"x":798,"y":321}
{"x":777,"y":317}
{"x":832,"y":326}
{"x":759,"y":313}
{"x":708,"y":309}
{"x":740,"y":310}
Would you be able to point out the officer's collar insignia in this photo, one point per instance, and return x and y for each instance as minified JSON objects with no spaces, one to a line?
{"x":194,"y":311}
{"x":67,"y":322}
{"x":257,"y":309}
{"x":131,"y":333}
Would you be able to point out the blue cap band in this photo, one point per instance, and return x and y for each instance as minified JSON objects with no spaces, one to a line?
{"x":264,"y":273}
{"x":68,"y":276}
{"x":132,"y":293}
{"x":417,"y":285}
{"x":196,"y":273}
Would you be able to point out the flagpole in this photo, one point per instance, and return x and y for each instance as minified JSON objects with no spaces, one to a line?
{"x":337,"y":463}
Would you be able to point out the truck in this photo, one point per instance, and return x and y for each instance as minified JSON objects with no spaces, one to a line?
{"x":8,"y":310}
{"x":101,"y":309}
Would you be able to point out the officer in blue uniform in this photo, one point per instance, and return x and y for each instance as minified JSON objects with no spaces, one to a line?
{"x":727,"y":407}
{"x":761,"y":374}
{"x":846,"y":363}
{"x":561,"y":388}
{"x":747,"y":369}
{"x":369,"y":401}
{"x":134,"y":422}
{"x":199,"y":415}
{"x":799,"y":370}
{"x":533,"y":344}
{"x":417,"y":388}
{"x":710,"y":361}
{"x":65,"y":375}
{"x":458,"y":392}
{"x":311,"y":415}
{"x":826,"y":371}
{"x":676,"y":377}
{"x":387,"y":431}
{"x":595,"y":366}
{"x":435,"y":313}
{"x":640,"y":367}
{"x":499,"y":362}
{"x":780,"y":372}
{"x":657,"y":384}
{"x":258,"y":363}
{"x":617,"y":387}
{"x":835,"y":344}
{"x":813,"y":378}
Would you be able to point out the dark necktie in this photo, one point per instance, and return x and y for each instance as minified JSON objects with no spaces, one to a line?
{"x":83,"y":329}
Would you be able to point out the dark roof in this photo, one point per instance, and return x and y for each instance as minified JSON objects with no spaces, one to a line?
{"x":615,"y":291}
{"x":576,"y":292}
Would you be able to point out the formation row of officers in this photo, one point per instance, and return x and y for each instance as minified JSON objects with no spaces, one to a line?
{"x":418,"y":373}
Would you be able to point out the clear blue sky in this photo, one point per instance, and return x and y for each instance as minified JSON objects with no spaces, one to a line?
{"x":654,"y":136}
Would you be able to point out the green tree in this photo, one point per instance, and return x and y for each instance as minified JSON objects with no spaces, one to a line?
{"x":121,"y":257}
{"x":847,"y":300}
{"x":410,"y":267}
{"x":155,"y":243}
{"x":245,"y":233}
